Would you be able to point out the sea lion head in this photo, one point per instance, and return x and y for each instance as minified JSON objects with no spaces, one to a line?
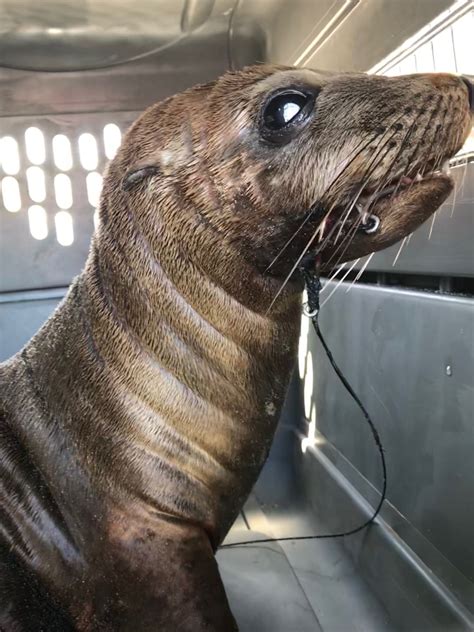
{"x":274,"y":162}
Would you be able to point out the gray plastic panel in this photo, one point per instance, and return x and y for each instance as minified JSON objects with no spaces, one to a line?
{"x":410,"y":357}
{"x":21,"y":315}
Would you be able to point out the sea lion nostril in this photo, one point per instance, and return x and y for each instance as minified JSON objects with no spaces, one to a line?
{"x":469,"y":83}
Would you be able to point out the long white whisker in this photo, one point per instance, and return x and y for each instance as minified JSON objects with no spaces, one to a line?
{"x":340,"y":281}
{"x":463,"y":181}
{"x":301,"y":226}
{"x":453,"y":199}
{"x":361,"y":271}
{"x":383,"y":143}
{"x":298,"y":261}
{"x":404,"y":241}
{"x":369,"y":172}
{"x":331,"y":278}
{"x":432,"y":224}
{"x":350,"y":159}
{"x":345,"y":243}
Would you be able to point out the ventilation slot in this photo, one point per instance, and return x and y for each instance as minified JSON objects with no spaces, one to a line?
{"x":35,"y":147}
{"x":47,"y":174}
{"x":112,"y":140}
{"x":38,"y":222}
{"x":63,"y":191}
{"x":36,"y":184}
{"x":88,"y":153}
{"x":64,"y":228}
{"x":62,"y":153}
{"x":11,"y":194}
{"x":94,"y":187}
{"x":9,"y":156}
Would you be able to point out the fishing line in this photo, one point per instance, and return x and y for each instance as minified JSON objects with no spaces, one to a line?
{"x":311,"y":310}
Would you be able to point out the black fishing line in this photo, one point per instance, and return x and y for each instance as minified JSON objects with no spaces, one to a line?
{"x":313,"y":289}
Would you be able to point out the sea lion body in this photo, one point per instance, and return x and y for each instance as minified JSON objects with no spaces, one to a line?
{"x":134,"y":424}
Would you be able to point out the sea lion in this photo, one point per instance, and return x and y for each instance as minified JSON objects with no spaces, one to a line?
{"x":135,"y":422}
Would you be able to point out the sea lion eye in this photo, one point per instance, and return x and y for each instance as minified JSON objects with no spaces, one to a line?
{"x":283,"y":109}
{"x":284,"y":114}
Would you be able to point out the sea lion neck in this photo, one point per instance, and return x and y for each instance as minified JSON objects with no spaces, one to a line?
{"x":185,"y":374}
{"x":189,"y":384}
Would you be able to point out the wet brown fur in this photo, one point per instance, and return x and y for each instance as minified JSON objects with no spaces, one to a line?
{"x":134,"y":424}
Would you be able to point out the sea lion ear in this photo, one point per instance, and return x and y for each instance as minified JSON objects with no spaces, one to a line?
{"x":137,"y":174}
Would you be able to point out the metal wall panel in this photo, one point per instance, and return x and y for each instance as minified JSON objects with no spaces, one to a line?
{"x":410,"y":356}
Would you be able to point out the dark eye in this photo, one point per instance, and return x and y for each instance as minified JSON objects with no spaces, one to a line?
{"x":283,"y":109}
{"x":285,"y":114}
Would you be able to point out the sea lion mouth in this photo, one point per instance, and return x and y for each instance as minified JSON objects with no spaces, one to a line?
{"x":399,"y":186}
{"x":383,"y":211}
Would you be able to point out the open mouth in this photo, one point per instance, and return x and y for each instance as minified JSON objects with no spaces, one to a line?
{"x":386,"y":210}
{"x":371,"y":195}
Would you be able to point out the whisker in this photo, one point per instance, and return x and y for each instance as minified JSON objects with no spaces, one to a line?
{"x":463,"y":180}
{"x":413,"y":155}
{"x":454,"y":196}
{"x":290,"y":274}
{"x":402,"y":147}
{"x":301,"y":226}
{"x":383,"y":142}
{"x":426,"y":128}
{"x":368,"y":173}
{"x":346,"y":242}
{"x":361,"y":271}
{"x":340,"y":281}
{"x":305,"y":250}
{"x":387,"y":178}
{"x":459,"y":186}
{"x":433,"y":218}
{"x":361,"y":146}
{"x":404,"y":241}
{"x":331,"y":278}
